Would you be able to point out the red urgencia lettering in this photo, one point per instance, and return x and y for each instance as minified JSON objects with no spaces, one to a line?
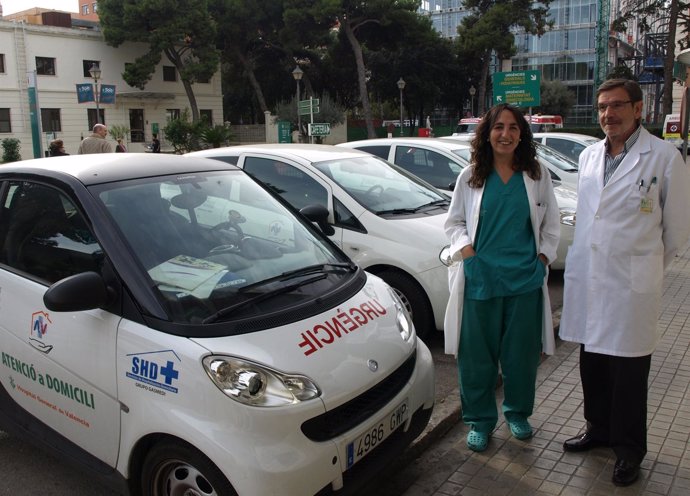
{"x":343,"y":323}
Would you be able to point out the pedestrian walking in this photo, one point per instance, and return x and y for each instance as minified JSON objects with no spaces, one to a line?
{"x":632,"y":217}
{"x":155,"y":144}
{"x":57,"y":148}
{"x":504,"y":229}
{"x":95,"y":143}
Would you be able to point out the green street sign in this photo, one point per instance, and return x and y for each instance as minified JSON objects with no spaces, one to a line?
{"x":319,"y":129}
{"x":519,"y":88}
{"x":306,"y":104}
{"x":308,"y":111}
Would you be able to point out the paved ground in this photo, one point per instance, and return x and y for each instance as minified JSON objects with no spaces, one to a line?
{"x":444,"y":466}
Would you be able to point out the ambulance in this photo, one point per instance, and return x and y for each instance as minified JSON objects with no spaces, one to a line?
{"x":174,"y":328}
{"x":543,"y":123}
{"x":671,"y":130}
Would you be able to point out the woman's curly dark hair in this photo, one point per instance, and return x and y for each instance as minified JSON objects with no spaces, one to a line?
{"x":482,"y":159}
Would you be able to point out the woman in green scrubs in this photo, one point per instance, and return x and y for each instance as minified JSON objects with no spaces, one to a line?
{"x":503,"y":224}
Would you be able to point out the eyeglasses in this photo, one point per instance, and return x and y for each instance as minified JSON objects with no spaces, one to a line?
{"x":615,"y":106}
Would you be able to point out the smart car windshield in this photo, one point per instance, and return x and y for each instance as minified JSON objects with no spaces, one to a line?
{"x":379,"y":186}
{"x":212,"y":241}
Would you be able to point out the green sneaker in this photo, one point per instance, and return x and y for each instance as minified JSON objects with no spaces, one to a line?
{"x":477,"y":441}
{"x":520,"y":428}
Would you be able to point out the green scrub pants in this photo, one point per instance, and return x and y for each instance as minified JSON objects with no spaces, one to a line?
{"x":505,"y":330}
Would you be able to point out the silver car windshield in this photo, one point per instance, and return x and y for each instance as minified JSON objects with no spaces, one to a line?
{"x":213,"y":241}
{"x":379,"y":186}
{"x":556,"y":158}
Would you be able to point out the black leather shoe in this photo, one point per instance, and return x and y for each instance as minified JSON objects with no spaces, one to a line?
{"x":625,"y":472}
{"x":583,"y":442}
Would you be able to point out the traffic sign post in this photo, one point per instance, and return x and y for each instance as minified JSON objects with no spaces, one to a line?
{"x":319,"y":129}
{"x":517,"y":88}
{"x":307,"y":107}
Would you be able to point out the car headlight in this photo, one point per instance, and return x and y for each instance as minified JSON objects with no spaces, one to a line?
{"x":568,"y":216}
{"x":258,"y":385}
{"x":402,"y":317}
{"x":445,"y":257}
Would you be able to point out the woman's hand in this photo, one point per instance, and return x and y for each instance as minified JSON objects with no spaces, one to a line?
{"x":543,"y":259}
{"x":467,"y":252}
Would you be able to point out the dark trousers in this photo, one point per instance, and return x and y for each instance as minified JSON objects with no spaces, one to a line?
{"x":615,"y":393}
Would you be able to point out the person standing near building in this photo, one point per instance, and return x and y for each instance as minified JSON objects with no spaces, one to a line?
{"x":57,"y":148}
{"x":504,"y":229}
{"x":95,"y":143}
{"x":120,"y":147}
{"x":632,"y":216}
{"x":155,"y":144}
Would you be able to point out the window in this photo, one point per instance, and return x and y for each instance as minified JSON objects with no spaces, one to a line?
{"x":44,"y":235}
{"x":45,"y":66}
{"x":94,"y":7}
{"x":2,"y":63}
{"x":169,"y":73}
{"x":85,"y":9}
{"x":50,"y":120}
{"x":136,"y":125}
{"x":298,"y":189}
{"x":378,"y":150}
{"x":86,"y":64}
{"x":206,"y":116}
{"x":171,"y":114}
{"x":91,"y":117}
{"x":5,"y":122}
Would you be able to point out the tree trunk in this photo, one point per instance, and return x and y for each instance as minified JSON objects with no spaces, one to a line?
{"x":254,"y":83}
{"x":361,"y":77}
{"x":483,"y":78}
{"x":176,"y":60}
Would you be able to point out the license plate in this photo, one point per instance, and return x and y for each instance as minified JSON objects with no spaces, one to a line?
{"x":375,"y":435}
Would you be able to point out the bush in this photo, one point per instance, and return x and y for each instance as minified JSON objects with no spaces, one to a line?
{"x":183,"y":134}
{"x":216,"y":136}
{"x":10,"y":150}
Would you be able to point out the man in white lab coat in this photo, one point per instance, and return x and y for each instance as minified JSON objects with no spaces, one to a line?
{"x":633,"y":215}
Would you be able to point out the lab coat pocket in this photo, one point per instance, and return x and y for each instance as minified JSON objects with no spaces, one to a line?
{"x":646,"y":273}
{"x":643,"y":199}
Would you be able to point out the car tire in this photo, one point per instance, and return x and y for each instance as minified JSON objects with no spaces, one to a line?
{"x":413,"y":297}
{"x":176,"y":468}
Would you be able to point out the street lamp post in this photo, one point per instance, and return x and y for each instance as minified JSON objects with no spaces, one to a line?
{"x":473,"y":91}
{"x":297,"y":73}
{"x":401,"y":87}
{"x":95,"y":72}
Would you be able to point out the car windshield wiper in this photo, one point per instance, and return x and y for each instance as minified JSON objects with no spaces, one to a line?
{"x":263,"y":296}
{"x":303,"y":271}
{"x":400,"y":210}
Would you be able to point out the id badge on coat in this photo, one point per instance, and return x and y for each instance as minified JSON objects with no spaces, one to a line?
{"x":646,"y":205}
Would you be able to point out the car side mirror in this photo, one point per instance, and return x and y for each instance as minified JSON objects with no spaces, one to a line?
{"x":84,"y":291}
{"x":318,"y":214}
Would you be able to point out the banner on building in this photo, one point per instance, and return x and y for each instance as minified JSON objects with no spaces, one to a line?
{"x":85,"y":93}
{"x":107,"y":93}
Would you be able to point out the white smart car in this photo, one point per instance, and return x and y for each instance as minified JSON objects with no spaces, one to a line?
{"x":173,"y":326}
{"x":388,"y":221}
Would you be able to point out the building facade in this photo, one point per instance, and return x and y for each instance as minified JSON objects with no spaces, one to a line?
{"x":578,"y":51}
{"x":57,"y":59}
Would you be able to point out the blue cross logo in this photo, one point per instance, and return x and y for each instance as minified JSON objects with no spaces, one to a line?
{"x":169,"y":372}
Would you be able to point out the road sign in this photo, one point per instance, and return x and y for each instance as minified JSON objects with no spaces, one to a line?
{"x":519,"y":88}
{"x":307,"y":107}
{"x":319,"y":129}
{"x":307,"y":111}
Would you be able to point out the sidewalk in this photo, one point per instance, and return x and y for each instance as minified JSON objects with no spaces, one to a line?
{"x":539,"y":466}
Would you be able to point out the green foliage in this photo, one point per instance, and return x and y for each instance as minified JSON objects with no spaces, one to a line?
{"x":10,"y":150}
{"x":556,"y":98}
{"x":621,"y":71}
{"x":183,"y":134}
{"x":118,"y":131}
{"x":186,"y":36}
{"x":216,"y":136}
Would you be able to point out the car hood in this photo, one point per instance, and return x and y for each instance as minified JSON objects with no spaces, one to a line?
{"x":339,"y":365}
{"x":424,"y":228}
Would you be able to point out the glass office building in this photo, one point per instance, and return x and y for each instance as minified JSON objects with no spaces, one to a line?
{"x":566,"y":53}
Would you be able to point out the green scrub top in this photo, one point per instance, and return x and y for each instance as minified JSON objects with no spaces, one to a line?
{"x":506,"y":262}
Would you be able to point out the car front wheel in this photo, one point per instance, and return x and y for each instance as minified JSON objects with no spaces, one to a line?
{"x":414,"y":299}
{"x":172,"y":469}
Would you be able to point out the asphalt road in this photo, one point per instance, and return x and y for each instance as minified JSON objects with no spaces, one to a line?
{"x":27,"y":470}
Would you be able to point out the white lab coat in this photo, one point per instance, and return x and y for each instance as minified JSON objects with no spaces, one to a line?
{"x":614,"y":268}
{"x":461,"y":228}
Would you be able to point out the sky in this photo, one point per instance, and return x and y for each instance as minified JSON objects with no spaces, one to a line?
{"x":12,"y":6}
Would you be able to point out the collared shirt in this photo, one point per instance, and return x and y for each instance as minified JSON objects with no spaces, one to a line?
{"x":611,"y":163}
